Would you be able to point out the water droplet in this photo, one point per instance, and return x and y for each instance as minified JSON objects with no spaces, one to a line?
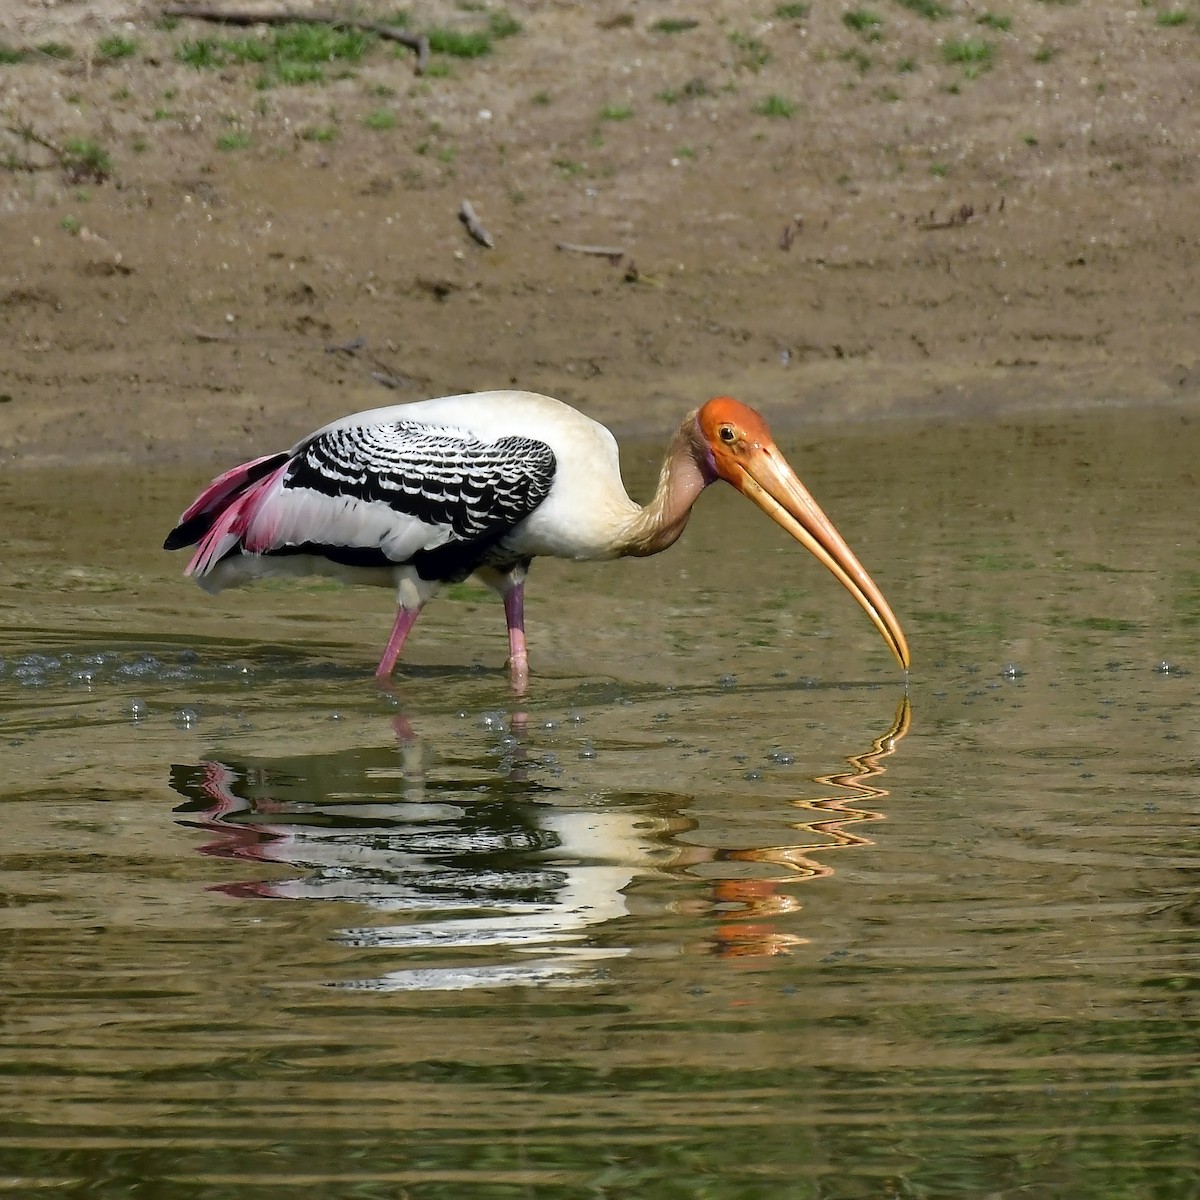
{"x":1012,"y":671}
{"x":186,"y":718}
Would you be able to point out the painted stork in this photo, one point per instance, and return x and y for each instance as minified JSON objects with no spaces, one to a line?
{"x":417,"y":495}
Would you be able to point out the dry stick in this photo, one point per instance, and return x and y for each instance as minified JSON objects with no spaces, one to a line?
{"x":468,"y":216}
{"x":27,"y":133}
{"x":614,"y":254}
{"x":199,"y":12}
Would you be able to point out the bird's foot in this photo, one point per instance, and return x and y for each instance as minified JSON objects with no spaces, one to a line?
{"x":518,"y":671}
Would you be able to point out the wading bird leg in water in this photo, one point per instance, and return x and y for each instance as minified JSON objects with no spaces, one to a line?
{"x":406,"y":618}
{"x":514,"y":614}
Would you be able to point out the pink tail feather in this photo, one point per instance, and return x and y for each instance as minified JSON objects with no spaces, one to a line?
{"x":218,"y":493}
{"x":230,"y":525}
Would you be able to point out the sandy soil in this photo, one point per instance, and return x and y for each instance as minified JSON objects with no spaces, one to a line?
{"x":818,"y":264}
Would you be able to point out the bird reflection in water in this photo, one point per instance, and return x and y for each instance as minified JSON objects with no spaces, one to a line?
{"x":748,"y":930}
{"x":507,"y":876}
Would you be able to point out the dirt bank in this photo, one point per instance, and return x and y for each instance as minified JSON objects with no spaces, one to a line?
{"x":844,"y":214}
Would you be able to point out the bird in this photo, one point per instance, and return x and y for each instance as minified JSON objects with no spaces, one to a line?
{"x":414,"y":496}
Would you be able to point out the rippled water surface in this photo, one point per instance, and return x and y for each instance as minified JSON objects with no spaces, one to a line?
{"x":713,"y":912}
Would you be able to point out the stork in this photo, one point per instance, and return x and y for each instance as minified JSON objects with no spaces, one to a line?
{"x":414,"y":496}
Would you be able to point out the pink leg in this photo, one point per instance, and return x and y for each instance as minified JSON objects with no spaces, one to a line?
{"x":514,"y":614}
{"x":405,"y":619}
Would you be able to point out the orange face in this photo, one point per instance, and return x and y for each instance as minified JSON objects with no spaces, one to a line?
{"x":734,"y":431}
{"x":745,"y":455}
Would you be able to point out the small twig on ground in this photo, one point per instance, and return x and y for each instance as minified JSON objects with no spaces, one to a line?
{"x":614,"y":254}
{"x":416,"y":42}
{"x":83,"y":162}
{"x":790,"y":230}
{"x":383,"y":374}
{"x":963,"y":215}
{"x":468,"y":216}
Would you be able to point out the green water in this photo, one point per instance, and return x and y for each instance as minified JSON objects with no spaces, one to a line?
{"x":710,"y":913}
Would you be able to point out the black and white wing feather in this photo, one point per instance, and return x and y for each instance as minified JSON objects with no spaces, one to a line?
{"x":403,"y":492}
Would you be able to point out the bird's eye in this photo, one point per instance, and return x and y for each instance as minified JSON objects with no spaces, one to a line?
{"x":726,"y":433}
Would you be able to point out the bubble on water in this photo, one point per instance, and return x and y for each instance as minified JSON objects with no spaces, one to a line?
{"x":1166,"y":668}
{"x":782,"y":757}
{"x":137,"y":709}
{"x":188,"y":657}
{"x":492,"y":719}
{"x":142,"y":667}
{"x":727,"y":681}
{"x":508,"y":742}
{"x":84,"y":677}
{"x":576,"y":717}
{"x":753,"y":776}
{"x":1012,"y":670}
{"x":335,"y":716}
{"x":587,"y":750}
{"x":550,"y":723}
{"x":186,"y":718}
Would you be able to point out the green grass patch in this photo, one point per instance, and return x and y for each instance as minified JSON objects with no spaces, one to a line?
{"x":380,"y":119}
{"x":931,"y":10}
{"x":469,"y":593}
{"x":201,"y":53}
{"x":84,"y":159}
{"x":792,"y":12}
{"x":971,"y":53}
{"x":864,"y":21}
{"x":503,"y":25}
{"x":292,"y":74}
{"x":290,"y":55}
{"x":751,"y":52}
{"x":117,"y":46}
{"x":1000,"y":22}
{"x":775,"y":106}
{"x":1045,"y":54}
{"x":1172,"y":17}
{"x":1106,"y":624}
{"x":906,"y":66}
{"x":10,"y":55}
{"x":319,"y":133}
{"x":616,"y":112}
{"x":939,"y":170}
{"x":460,"y":43}
{"x":235,"y":139}
{"x":58,"y":50}
{"x":320,"y":43}
{"x":860,"y":60}
{"x":674,"y":25}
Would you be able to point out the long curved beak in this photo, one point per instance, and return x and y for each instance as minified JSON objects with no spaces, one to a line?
{"x":767,"y":479}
